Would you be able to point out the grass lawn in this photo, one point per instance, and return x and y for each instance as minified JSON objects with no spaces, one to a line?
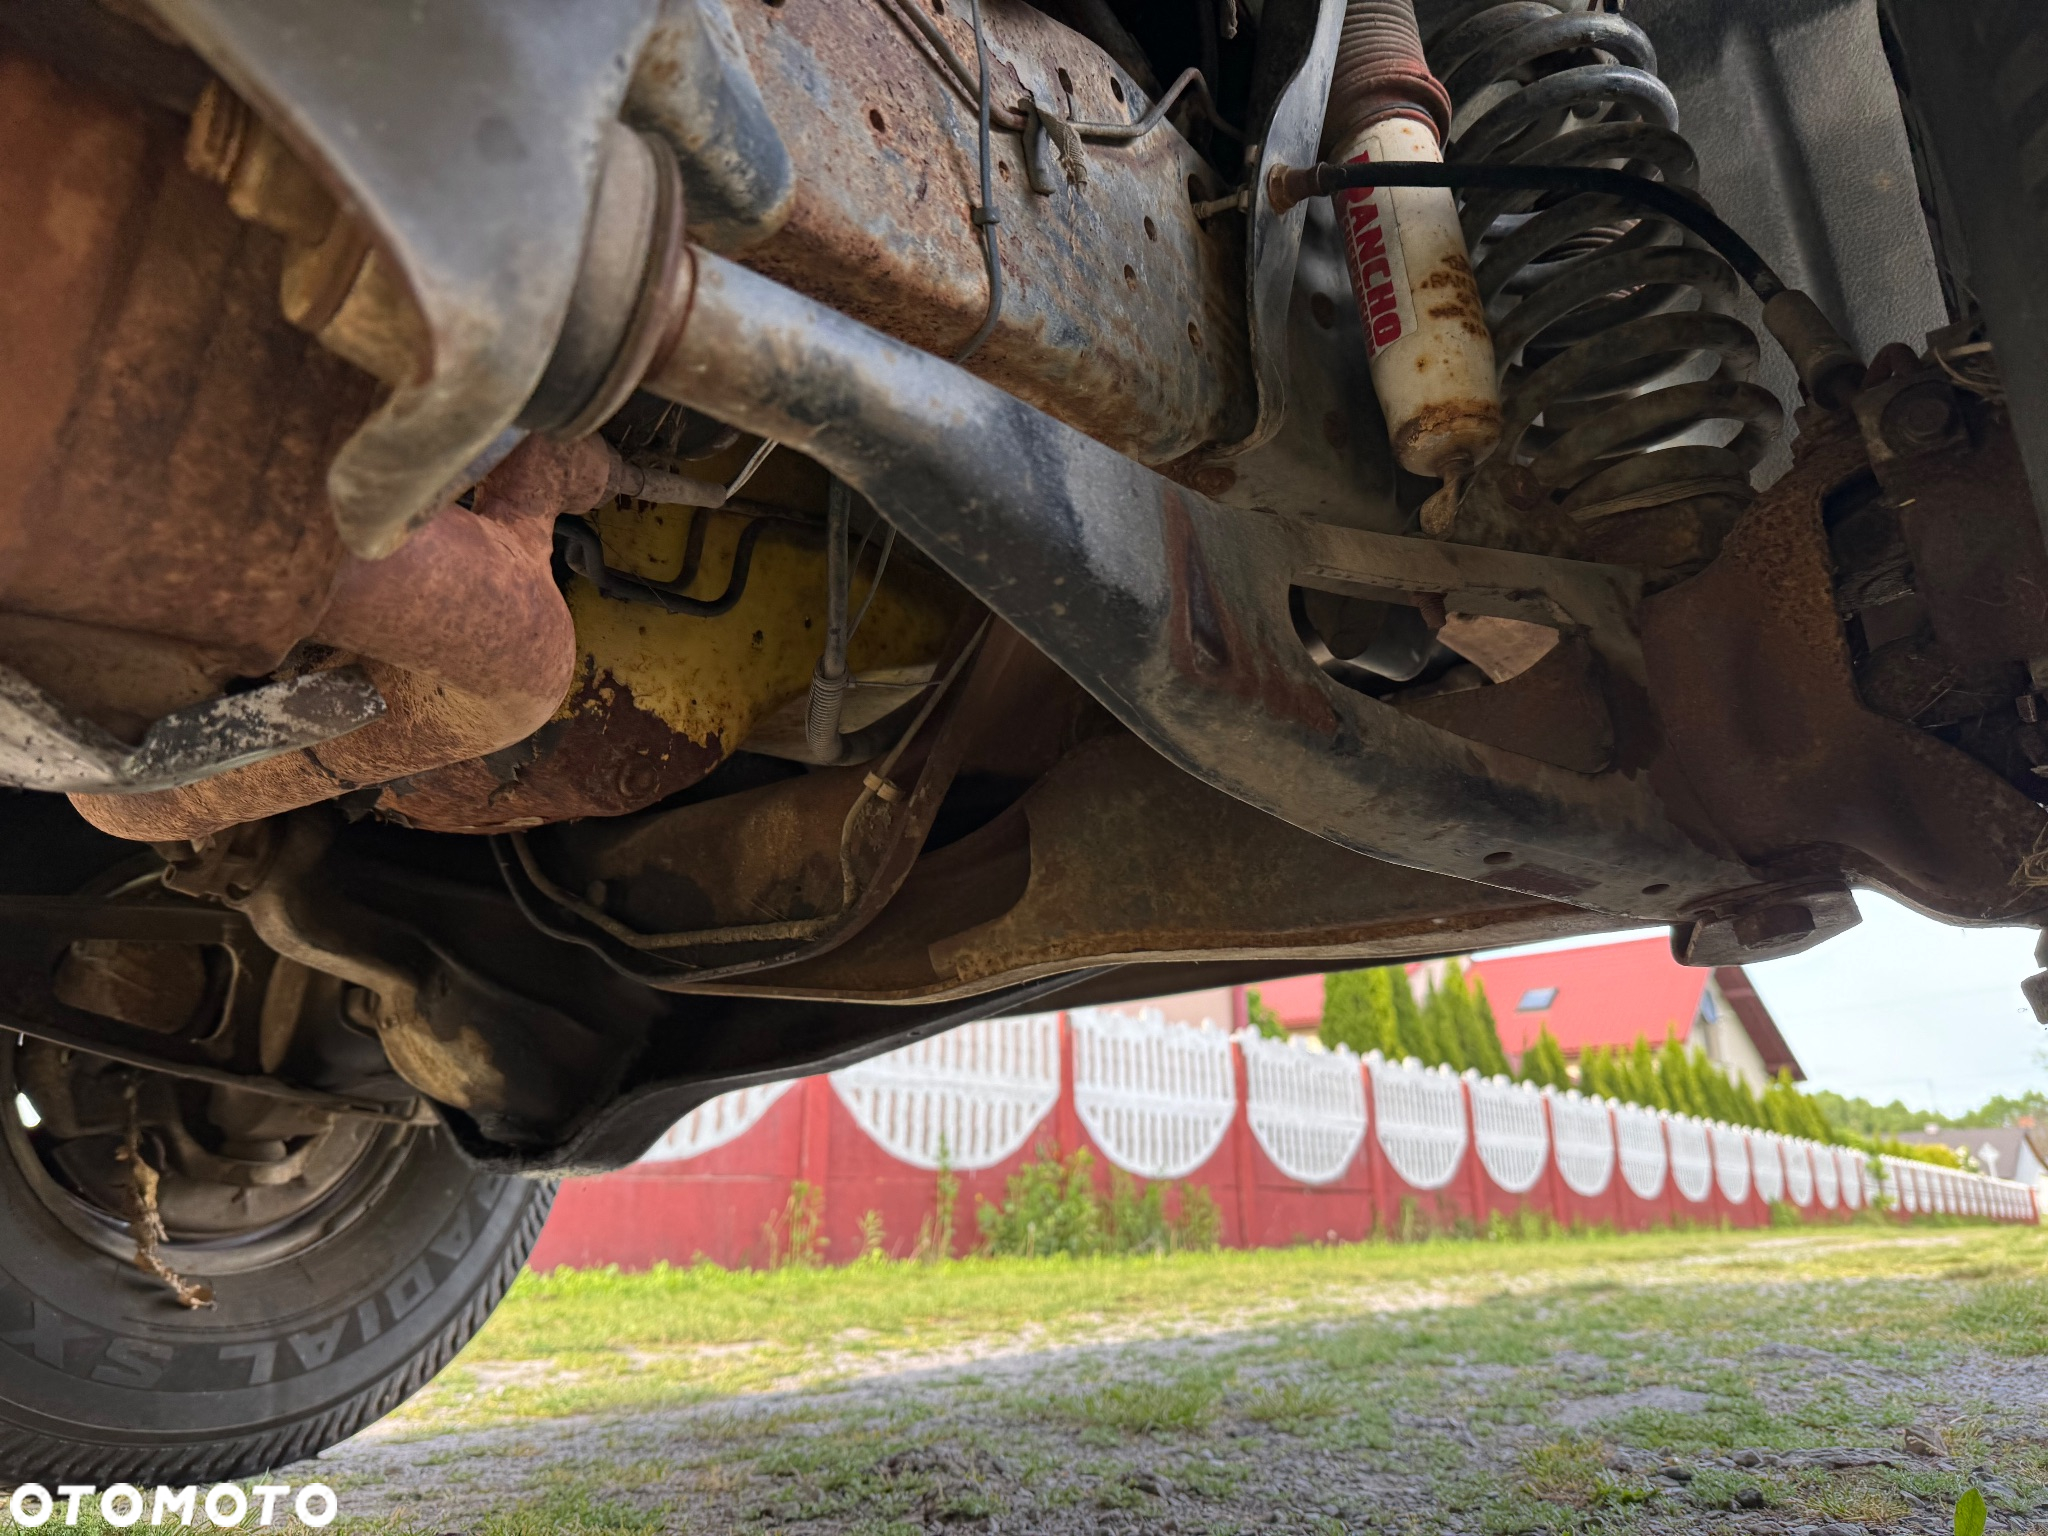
{"x":1748,"y":1382}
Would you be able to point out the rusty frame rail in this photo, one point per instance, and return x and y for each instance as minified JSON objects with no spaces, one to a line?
{"x":1173,"y":610}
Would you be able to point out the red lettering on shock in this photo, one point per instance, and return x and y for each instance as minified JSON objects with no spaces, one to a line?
{"x":1371,"y":274}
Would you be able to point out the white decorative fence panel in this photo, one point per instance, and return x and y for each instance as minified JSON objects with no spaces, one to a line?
{"x":715,"y":1122}
{"x":1850,"y":1174}
{"x":1855,"y":1178}
{"x":1767,"y":1167}
{"x":1509,"y":1131}
{"x":1306,"y":1108}
{"x":1640,"y":1135}
{"x":2018,"y":1201}
{"x":1899,"y":1185}
{"x":1798,"y":1155}
{"x":1156,"y":1097}
{"x":1419,"y":1115}
{"x":1731,"y":1162}
{"x":1827,"y":1176}
{"x":1692,"y":1156}
{"x":1160,"y":1101}
{"x":971,"y":1096}
{"x":1585,"y":1142}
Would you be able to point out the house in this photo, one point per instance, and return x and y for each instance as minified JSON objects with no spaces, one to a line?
{"x":2015,"y":1152}
{"x":1608,"y":994}
{"x":1600,"y":994}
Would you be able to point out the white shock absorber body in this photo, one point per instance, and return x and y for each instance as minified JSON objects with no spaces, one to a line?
{"x":1425,"y":327}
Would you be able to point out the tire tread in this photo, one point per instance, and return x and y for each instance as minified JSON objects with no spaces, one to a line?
{"x":249,"y":1455}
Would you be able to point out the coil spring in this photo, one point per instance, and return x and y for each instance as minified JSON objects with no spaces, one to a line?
{"x":1622,"y":371}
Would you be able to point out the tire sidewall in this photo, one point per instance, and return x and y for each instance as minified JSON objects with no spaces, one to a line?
{"x":103,"y":1373}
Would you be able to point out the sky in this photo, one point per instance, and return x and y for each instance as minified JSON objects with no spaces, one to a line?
{"x":1903,"y":1007}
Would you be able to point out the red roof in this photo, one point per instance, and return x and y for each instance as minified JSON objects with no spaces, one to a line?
{"x":1605,"y":994}
{"x":1298,"y":1000}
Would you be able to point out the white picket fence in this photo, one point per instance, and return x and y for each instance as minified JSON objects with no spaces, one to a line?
{"x":1585,"y":1142}
{"x":1306,"y":1108}
{"x":969,"y":1097}
{"x":1159,"y":1099}
{"x":1422,"y":1122}
{"x":1511,"y":1132}
{"x":1644,"y":1156}
{"x":715,"y":1122}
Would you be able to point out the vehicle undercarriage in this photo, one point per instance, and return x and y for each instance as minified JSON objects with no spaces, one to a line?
{"x":556,"y":562}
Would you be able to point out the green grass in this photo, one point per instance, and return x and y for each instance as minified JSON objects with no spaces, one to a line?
{"x":1525,"y":1385}
{"x":2009,"y":1316}
{"x":1143,"y":1407}
{"x":576,"y":1342}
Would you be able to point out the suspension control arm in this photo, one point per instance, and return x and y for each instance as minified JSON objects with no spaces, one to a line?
{"x":1174,"y":611}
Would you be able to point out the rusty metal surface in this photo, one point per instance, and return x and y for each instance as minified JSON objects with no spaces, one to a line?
{"x":43,"y":746}
{"x":1553,"y":712}
{"x":148,"y":370}
{"x":462,"y":631}
{"x":1752,"y":678}
{"x":775,"y":854}
{"x":45,"y":998}
{"x":1968,"y":518}
{"x":660,"y":699}
{"x":602,"y":755}
{"x":119,"y":680}
{"x":466,"y":134}
{"x":1095,"y":866}
{"x":1174,"y":611}
{"x":1122,"y":314}
{"x":524,"y":1038}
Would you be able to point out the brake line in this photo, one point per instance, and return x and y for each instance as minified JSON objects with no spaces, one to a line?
{"x":877,"y":784}
{"x":984,"y":218}
{"x":1100,"y":133}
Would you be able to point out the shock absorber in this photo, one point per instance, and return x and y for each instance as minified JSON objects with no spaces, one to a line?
{"x":1626,"y":401}
{"x":1425,"y":330}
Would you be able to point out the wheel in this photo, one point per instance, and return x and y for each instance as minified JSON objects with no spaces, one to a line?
{"x":347,"y":1260}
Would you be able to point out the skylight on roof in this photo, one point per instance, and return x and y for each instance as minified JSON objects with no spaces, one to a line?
{"x":1535,"y":998}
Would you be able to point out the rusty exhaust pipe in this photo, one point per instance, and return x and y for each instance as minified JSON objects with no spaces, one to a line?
{"x":462,"y":630}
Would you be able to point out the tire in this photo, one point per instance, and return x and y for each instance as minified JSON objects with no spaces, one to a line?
{"x":104,"y":1378}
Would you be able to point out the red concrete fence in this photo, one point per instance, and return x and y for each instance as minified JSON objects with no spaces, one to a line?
{"x":1293,"y":1145}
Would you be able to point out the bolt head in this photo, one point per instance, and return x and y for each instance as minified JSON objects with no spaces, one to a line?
{"x":1920,"y":418}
